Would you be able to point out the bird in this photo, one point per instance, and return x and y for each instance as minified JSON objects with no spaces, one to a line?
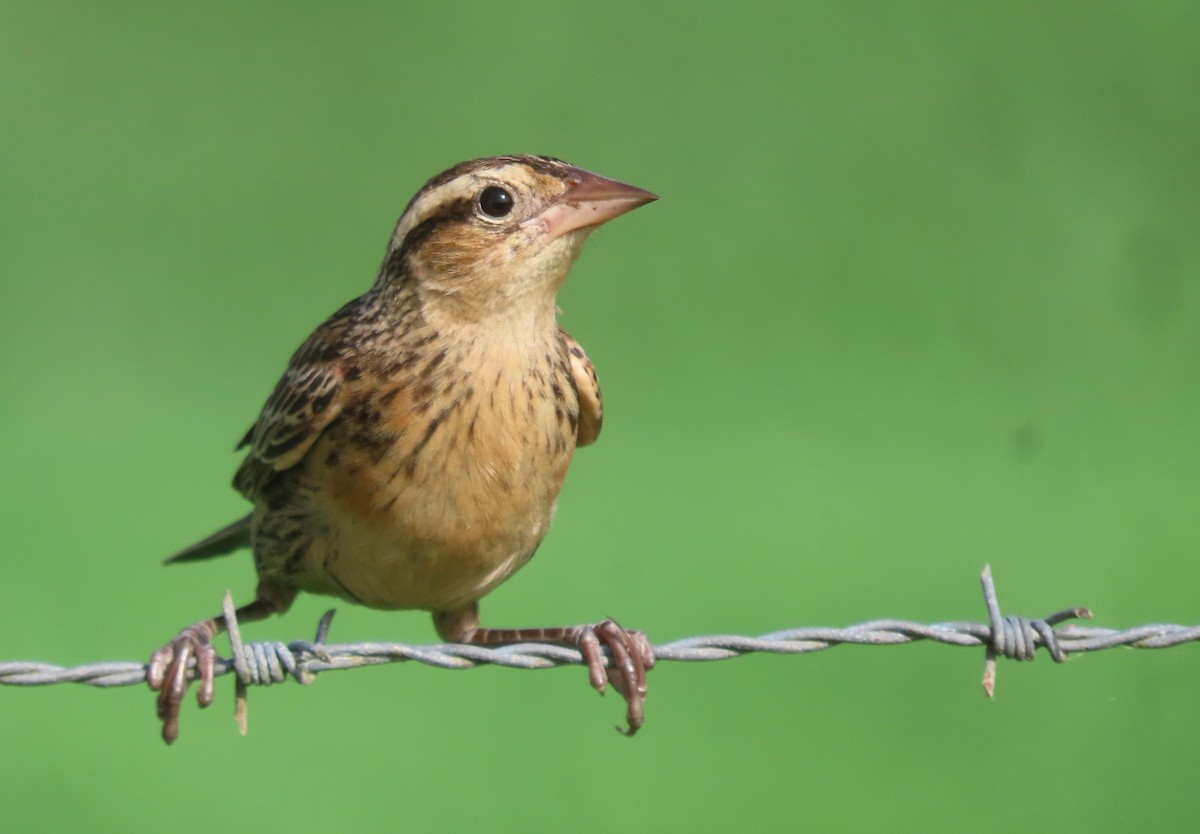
{"x":412,"y":453}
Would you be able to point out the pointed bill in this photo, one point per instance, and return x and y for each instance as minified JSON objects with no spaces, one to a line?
{"x":589,"y":201}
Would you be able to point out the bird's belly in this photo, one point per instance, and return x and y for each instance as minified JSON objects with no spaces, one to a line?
{"x":402,"y":566}
{"x":436,"y":536}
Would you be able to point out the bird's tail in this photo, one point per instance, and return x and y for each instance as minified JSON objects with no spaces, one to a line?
{"x":226,"y":540}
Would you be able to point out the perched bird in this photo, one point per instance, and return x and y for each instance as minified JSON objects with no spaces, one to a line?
{"x":412,"y":454}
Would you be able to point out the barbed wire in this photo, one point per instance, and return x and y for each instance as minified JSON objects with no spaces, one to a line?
{"x":264,"y":663}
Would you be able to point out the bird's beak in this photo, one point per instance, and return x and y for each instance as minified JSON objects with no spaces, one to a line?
{"x":590,"y":200}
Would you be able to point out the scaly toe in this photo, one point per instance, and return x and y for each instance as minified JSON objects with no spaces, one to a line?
{"x":168,"y":674}
{"x":631,"y":655}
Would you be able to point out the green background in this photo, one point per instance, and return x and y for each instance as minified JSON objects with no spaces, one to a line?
{"x":920,"y":294}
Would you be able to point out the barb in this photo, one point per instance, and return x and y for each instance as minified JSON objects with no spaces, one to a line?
{"x":263,"y":663}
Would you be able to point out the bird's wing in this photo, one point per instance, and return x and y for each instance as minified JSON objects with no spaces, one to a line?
{"x":308,"y":397}
{"x":591,"y":405}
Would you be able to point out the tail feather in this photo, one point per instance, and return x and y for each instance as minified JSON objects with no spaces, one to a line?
{"x":226,"y":540}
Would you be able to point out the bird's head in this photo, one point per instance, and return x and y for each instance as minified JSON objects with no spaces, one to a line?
{"x":498,"y":235}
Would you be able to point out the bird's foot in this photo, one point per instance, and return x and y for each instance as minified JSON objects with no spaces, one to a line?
{"x":168,"y":673}
{"x":630,"y":654}
{"x":631,"y":657}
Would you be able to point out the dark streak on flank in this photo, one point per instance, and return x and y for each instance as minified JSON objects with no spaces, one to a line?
{"x":363,"y":417}
{"x":380,"y":445}
{"x":426,"y":338}
{"x":432,"y":365}
{"x":436,"y":421}
{"x":401,"y":364}
{"x":423,"y":391}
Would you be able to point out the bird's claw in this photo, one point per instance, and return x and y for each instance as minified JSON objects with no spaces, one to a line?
{"x":168,"y":674}
{"x":632,"y":656}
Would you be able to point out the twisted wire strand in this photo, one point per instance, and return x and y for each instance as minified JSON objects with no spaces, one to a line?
{"x":266,"y":662}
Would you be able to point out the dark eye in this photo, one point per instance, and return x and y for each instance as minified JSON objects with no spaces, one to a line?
{"x":495,"y":201}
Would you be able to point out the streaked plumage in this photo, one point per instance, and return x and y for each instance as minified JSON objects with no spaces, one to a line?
{"x":412,"y":453}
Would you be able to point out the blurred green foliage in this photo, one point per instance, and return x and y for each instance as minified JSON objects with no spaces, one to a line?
{"x":921,"y":294}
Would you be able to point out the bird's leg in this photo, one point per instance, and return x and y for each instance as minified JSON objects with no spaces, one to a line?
{"x":168,"y":670}
{"x":631,"y":653}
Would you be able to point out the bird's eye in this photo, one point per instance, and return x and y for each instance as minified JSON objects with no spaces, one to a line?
{"x":495,"y":201}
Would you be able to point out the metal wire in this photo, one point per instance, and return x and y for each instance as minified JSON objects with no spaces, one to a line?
{"x":264,"y":663}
